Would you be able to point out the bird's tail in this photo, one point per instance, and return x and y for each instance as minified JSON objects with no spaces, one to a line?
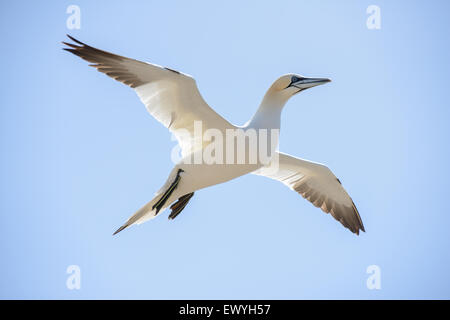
{"x":159,"y":202}
{"x":145,"y":213}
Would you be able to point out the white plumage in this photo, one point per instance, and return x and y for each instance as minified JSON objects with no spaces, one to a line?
{"x":173,"y":99}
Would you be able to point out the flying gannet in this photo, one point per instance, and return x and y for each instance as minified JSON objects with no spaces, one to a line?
{"x":173,"y":99}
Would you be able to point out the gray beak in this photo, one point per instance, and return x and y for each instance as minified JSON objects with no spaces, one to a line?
{"x":306,"y":83}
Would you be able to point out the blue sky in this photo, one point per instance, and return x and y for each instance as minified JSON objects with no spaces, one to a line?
{"x":80,"y":153}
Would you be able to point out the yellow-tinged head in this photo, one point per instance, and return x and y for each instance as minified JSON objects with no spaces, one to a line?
{"x":290,"y":84}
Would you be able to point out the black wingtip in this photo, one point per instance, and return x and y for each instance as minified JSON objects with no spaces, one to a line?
{"x":360,"y":228}
{"x":120,"y":229}
{"x":70,"y":45}
{"x":73,"y":39}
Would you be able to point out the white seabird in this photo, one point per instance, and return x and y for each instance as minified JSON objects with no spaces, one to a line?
{"x":174,"y":100}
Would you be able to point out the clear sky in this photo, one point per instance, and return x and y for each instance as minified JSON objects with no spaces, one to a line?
{"x":80,"y":153}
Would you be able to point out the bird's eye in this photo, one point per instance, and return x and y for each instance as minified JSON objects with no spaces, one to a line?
{"x":295,"y":79}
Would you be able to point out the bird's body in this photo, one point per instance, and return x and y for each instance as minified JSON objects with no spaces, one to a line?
{"x":213,"y":150}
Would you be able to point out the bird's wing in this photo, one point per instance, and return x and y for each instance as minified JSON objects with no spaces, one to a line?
{"x":316,"y":183}
{"x":170,"y":96}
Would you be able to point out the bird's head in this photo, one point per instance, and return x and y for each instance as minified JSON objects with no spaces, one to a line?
{"x":290,"y":84}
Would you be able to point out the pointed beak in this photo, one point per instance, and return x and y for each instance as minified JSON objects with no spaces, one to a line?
{"x":306,"y":83}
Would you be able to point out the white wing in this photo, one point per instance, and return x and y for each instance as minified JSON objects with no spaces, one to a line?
{"x":316,"y":183}
{"x":170,"y":96}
